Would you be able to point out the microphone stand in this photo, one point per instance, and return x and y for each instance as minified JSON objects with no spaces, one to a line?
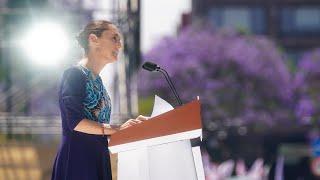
{"x":166,"y":75}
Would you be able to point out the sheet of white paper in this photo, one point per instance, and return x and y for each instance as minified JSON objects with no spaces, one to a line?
{"x":160,"y":106}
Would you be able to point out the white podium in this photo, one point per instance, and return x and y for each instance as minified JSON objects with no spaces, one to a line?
{"x":160,"y":149}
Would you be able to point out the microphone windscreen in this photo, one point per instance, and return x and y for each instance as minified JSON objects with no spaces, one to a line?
{"x":150,"y":66}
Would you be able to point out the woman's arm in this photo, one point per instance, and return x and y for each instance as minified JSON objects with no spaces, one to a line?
{"x":93,"y":127}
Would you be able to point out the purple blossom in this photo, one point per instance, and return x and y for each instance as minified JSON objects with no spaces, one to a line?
{"x":236,"y":76}
{"x":307,"y":88}
{"x":305,"y":110}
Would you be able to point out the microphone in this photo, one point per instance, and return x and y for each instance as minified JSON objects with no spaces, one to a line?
{"x":149,"y":66}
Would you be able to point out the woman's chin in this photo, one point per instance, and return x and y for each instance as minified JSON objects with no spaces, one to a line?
{"x":111,"y":59}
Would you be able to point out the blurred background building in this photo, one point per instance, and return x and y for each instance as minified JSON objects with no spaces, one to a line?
{"x":294,"y":24}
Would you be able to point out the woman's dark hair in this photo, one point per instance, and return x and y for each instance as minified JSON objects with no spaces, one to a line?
{"x":94,"y":27}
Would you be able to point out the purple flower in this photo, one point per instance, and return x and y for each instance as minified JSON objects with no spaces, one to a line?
{"x":236,"y":76}
{"x":305,"y":110}
{"x":307,"y":88}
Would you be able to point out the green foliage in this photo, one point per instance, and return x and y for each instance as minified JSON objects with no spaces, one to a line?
{"x":145,"y":105}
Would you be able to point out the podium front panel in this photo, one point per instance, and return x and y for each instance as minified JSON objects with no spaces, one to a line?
{"x":171,"y":161}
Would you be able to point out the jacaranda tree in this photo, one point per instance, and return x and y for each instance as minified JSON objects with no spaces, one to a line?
{"x":307,"y":86}
{"x":240,"y":78}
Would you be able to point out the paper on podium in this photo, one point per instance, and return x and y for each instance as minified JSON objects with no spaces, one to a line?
{"x":160,"y":106}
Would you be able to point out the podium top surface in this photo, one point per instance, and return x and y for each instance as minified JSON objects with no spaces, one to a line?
{"x":185,"y":118}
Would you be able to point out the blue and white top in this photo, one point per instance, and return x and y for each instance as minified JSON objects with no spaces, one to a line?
{"x":97,"y":103}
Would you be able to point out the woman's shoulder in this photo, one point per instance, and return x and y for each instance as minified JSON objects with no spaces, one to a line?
{"x":73,"y":73}
{"x":74,"y":70}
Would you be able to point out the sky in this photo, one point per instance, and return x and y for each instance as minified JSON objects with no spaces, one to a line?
{"x":159,"y":19}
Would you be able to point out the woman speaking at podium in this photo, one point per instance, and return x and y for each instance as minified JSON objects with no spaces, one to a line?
{"x":85,"y":108}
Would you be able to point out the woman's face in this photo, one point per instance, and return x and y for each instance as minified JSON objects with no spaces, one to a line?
{"x":109,"y":44}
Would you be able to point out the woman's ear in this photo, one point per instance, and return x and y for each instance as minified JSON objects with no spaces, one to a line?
{"x":93,"y":38}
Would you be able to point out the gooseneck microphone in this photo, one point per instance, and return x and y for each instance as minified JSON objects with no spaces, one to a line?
{"x":154,"y":67}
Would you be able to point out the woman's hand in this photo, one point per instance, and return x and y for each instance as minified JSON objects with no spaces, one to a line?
{"x":142,"y":118}
{"x":132,"y":122}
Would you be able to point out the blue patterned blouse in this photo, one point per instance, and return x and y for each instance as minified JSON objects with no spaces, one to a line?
{"x":82,"y":155}
{"x":97,"y":103}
